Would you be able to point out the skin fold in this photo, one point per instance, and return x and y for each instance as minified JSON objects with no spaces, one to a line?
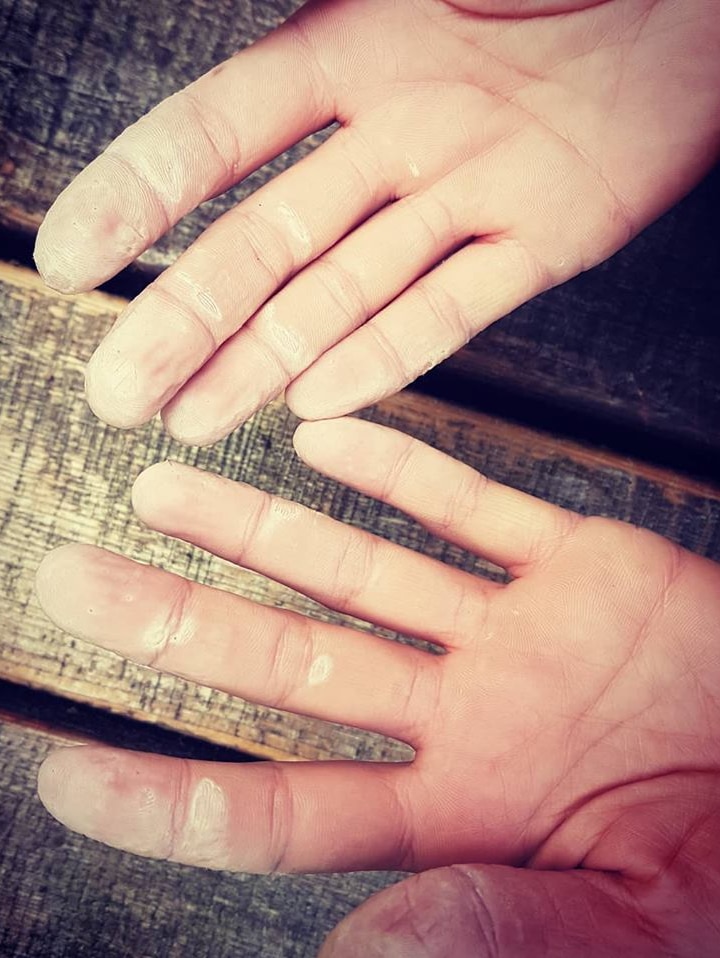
{"x":564,"y":795}
{"x":486,"y":151}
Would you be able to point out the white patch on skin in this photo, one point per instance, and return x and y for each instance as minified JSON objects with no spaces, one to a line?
{"x":412,"y":166}
{"x":296,"y":227}
{"x":203,"y":296}
{"x":155,"y":637}
{"x":205,"y":832}
{"x":320,"y":670}
{"x":287,"y":342}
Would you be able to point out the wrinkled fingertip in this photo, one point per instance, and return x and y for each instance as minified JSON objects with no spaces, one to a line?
{"x":50,"y":263}
{"x":111,"y":408}
{"x":183,"y":424}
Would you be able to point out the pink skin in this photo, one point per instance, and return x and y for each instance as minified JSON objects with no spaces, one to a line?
{"x":572,"y":727}
{"x":487,"y":150}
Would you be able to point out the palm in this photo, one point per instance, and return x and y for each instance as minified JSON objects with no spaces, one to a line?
{"x":590,"y":672}
{"x":481,"y":159}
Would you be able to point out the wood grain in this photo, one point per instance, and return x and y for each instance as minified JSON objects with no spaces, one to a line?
{"x":631,"y":345}
{"x":65,"y":896}
{"x":65,"y":476}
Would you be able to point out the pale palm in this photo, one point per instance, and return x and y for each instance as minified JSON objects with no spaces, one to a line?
{"x":482,"y":157}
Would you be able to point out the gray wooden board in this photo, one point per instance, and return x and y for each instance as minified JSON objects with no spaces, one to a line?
{"x":634,"y":343}
{"x":65,"y":896}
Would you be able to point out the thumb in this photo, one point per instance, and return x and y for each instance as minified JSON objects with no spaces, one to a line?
{"x":482,"y":911}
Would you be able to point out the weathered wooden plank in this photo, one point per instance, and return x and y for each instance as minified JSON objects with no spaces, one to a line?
{"x":44,"y":711}
{"x":634,"y":343}
{"x":65,"y":896}
{"x":65,"y":476}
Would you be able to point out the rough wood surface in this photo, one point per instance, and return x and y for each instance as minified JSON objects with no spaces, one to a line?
{"x":65,"y":476}
{"x":64,"y":896}
{"x":632,"y":344}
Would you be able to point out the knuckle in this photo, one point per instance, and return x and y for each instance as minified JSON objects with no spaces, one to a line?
{"x":267,"y":245}
{"x":353,"y":568}
{"x":398,"y":470}
{"x":463,"y":500}
{"x":445,"y":311}
{"x":118,"y":154}
{"x":290,"y":656}
{"x":392,"y":357}
{"x":251,"y":532}
{"x":280,"y":820}
{"x":484,"y":927}
{"x":560,"y":526}
{"x":182,"y":775}
{"x":343,"y":289}
{"x":162,"y":289}
{"x":362,"y":159}
{"x":164,"y":640}
{"x":302,"y":28}
{"x":420,"y":706}
{"x":273,"y":353}
{"x":431,"y":215}
{"x":217,"y":134}
{"x":469,"y":616}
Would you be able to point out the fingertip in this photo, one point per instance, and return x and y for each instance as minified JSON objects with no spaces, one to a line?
{"x":185,"y":424}
{"x":153,"y":485}
{"x":309,"y":399}
{"x":111,"y":390}
{"x":110,"y":795}
{"x":338,"y":383}
{"x":56,"y":573}
{"x":51,"y":274}
{"x":169,"y":493}
{"x":53,"y":780}
{"x":313,"y":439}
{"x":307,"y":437}
{"x":52,"y":260}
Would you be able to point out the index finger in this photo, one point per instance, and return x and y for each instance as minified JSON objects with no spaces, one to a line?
{"x":192,"y":146}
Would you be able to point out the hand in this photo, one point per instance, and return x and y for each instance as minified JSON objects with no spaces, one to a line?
{"x":572,"y":726}
{"x":486,"y":151}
